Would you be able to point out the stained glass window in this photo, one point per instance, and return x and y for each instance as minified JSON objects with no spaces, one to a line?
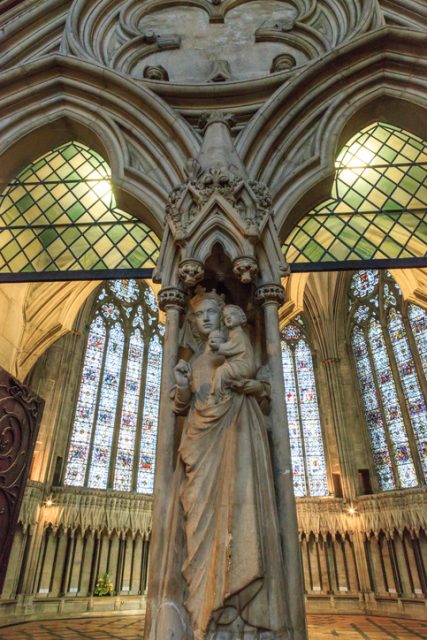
{"x":113,"y":436}
{"x":377,"y":208}
{"x":390,"y":374}
{"x":59,"y":214}
{"x":308,"y":457}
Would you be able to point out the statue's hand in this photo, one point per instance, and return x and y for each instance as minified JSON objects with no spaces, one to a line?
{"x":182,"y":373}
{"x":248,"y":387}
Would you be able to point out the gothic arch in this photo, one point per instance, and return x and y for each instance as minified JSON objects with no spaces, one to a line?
{"x":291,"y":143}
{"x":144,"y":142}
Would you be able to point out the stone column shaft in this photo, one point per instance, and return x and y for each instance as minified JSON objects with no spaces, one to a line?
{"x":172,"y":301}
{"x":271,"y":296}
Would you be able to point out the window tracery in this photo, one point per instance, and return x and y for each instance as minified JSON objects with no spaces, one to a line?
{"x":308,"y":457}
{"x":389,"y":345}
{"x":113,"y":438}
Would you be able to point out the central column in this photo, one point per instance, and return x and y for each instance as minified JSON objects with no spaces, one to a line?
{"x":224,"y":551}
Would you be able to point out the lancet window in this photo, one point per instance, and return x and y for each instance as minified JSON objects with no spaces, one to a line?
{"x":389,"y":340}
{"x":308,"y":456}
{"x":113,"y":436}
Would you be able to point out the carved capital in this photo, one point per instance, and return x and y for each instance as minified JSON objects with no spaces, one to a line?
{"x":270,"y":294}
{"x":171,"y":297}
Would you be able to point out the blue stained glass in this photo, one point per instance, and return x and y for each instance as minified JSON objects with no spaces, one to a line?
{"x":145,"y":482}
{"x":376,"y":430}
{"x":401,"y":451}
{"x":129,"y":417}
{"x":125,"y":290}
{"x":418,"y":320}
{"x":308,"y":458}
{"x":100,"y":461}
{"x":297,"y":454}
{"x":309,"y":411}
{"x":411,"y":387}
{"x":364,"y":282}
{"x":86,"y":405}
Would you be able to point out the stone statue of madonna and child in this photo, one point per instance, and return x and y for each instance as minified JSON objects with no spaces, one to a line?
{"x":226,"y":560}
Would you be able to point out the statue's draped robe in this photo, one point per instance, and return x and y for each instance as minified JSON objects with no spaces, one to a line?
{"x":232,"y":559}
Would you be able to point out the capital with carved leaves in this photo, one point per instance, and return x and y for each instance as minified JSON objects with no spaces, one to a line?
{"x":171,"y":298}
{"x":270,"y":293}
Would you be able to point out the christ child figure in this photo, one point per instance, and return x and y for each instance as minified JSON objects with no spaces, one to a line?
{"x":239,"y":365}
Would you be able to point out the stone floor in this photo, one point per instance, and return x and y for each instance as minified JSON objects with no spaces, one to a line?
{"x":321,"y":627}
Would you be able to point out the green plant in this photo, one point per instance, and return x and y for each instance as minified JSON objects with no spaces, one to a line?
{"x":104,"y":585}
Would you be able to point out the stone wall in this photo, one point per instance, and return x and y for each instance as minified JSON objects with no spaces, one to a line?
{"x":372,"y":560}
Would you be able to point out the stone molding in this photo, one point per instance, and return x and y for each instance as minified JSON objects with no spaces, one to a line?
{"x":87,"y":509}
{"x":270,"y":293}
{"x":387,"y":512}
{"x":172,"y":297}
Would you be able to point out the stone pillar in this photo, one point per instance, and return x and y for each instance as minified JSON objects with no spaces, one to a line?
{"x":405,"y":579}
{"x":378,"y":574}
{"x":271,"y":296}
{"x":58,"y":570}
{"x":87,"y":558}
{"x":335,"y":393}
{"x":127,"y":564}
{"x":47,"y":562}
{"x":172,"y":301}
{"x":358,"y":539}
{"x":136,"y":565}
{"x":340,"y":563}
{"x":387,"y":563}
{"x":314,"y":564}
{"x":323,"y":561}
{"x":77,"y":565}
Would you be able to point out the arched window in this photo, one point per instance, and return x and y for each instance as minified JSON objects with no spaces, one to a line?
{"x":308,"y":457}
{"x":113,"y":438}
{"x":377,"y":208}
{"x":389,"y":343}
{"x":60,"y":214}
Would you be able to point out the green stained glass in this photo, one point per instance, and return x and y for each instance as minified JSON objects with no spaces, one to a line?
{"x":59,"y":214}
{"x":378,"y":209}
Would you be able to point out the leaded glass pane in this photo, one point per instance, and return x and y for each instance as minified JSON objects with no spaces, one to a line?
{"x":297,"y":453}
{"x":125,"y":290}
{"x":309,"y":411}
{"x":129,"y":417}
{"x":411,"y":387}
{"x":150,"y":417}
{"x":376,"y":430}
{"x":78,"y":454}
{"x":378,"y":204}
{"x":59,"y":214}
{"x":392,"y":410}
{"x":418,"y":320}
{"x":107,"y":407}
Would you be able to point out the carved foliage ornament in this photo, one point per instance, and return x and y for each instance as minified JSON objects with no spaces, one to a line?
{"x":20,"y":413}
{"x":250,"y":198}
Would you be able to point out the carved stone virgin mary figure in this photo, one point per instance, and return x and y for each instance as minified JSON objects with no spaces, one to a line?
{"x":230,"y":561}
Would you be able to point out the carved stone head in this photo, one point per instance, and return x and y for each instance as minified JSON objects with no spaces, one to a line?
{"x":191,"y":272}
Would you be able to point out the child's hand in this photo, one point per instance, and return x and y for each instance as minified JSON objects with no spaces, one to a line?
{"x":214,"y":343}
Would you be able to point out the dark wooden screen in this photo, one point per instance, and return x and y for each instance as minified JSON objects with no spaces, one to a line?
{"x":20,"y":413}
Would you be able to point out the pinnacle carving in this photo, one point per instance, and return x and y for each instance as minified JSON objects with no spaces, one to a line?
{"x":219,"y":204}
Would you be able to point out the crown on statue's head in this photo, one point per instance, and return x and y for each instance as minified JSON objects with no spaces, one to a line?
{"x":202,"y":294}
